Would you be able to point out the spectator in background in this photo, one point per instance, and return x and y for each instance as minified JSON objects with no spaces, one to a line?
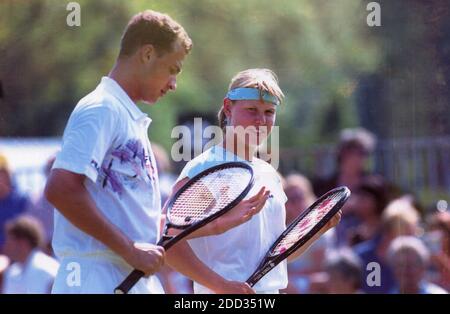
{"x":353,"y":150}
{"x":352,"y":153}
{"x":367,"y":204}
{"x":299,"y":194}
{"x":31,"y":270}
{"x":345,"y":272}
{"x":398,"y":219}
{"x":12,"y":203}
{"x":42,"y":210}
{"x":409,"y":258}
{"x":437,"y":240}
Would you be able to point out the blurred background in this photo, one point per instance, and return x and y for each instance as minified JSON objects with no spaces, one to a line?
{"x":381,"y":93}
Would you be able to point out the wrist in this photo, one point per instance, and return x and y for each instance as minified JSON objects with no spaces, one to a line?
{"x":219,"y":286}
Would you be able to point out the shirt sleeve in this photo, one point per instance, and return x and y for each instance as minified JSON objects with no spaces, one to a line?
{"x":89,"y":134}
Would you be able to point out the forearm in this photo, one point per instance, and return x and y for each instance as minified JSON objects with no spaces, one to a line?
{"x":209,"y":229}
{"x":73,"y":201}
{"x":182,"y":258}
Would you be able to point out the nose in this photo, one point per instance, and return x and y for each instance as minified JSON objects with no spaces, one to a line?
{"x":260,"y":119}
{"x":173,"y":83}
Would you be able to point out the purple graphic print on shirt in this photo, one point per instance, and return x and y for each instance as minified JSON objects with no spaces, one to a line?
{"x":133,"y":155}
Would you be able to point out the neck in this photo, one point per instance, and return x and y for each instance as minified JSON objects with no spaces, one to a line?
{"x":349,"y":178}
{"x":123,"y":74}
{"x":238,"y":148}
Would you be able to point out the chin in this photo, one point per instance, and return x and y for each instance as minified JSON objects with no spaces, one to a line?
{"x":149,"y":101}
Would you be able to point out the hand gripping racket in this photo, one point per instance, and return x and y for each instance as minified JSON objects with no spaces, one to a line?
{"x":202,"y":199}
{"x":301,"y":230}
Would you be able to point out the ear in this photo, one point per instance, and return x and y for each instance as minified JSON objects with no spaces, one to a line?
{"x":227,"y":107}
{"x":146,"y":53}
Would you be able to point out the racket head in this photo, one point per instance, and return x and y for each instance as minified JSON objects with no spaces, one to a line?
{"x":301,"y":230}
{"x":310,"y":221}
{"x":208,"y":195}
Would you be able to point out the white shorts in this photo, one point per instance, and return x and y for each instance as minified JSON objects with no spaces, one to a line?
{"x":98,"y":274}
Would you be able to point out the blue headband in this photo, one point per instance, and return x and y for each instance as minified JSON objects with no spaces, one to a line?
{"x":245,"y":93}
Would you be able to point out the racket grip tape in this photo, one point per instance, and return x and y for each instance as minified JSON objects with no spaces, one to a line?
{"x":129,"y":282}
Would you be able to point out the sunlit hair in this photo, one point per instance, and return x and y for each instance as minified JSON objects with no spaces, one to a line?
{"x":155,"y":28}
{"x":408,"y":244}
{"x":400,"y":217}
{"x":263,"y":79}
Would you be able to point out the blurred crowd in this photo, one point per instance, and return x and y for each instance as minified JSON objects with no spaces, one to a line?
{"x":387,"y":241}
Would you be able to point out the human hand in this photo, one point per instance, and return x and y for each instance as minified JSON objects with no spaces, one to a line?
{"x":242,"y":212}
{"x":333,"y":222}
{"x":146,"y":257}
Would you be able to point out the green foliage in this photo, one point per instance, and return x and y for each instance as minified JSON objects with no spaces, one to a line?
{"x":318,"y":48}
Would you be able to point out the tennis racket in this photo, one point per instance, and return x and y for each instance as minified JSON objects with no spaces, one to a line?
{"x":202,"y":199}
{"x":301,"y":230}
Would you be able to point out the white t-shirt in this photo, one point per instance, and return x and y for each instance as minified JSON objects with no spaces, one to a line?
{"x":36,"y":275}
{"x":236,"y":253}
{"x":106,"y":140}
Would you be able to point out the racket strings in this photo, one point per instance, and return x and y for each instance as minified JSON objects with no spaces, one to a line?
{"x":208,"y":195}
{"x":304,"y":226}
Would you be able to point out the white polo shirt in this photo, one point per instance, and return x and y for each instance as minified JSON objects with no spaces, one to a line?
{"x":106,"y":140}
{"x":236,"y":253}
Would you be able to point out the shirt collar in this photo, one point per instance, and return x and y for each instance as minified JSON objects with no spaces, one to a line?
{"x":116,"y":90}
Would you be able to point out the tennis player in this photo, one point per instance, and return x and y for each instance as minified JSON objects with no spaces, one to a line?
{"x":221,"y":263}
{"x":104,"y":182}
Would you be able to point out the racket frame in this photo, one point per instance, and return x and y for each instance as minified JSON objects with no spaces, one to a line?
{"x":270,"y":261}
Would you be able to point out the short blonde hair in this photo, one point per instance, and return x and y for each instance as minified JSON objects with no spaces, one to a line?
{"x":265,"y":80}
{"x":399,"y":216}
{"x":155,"y":28}
{"x":408,"y":244}
{"x":302,"y":183}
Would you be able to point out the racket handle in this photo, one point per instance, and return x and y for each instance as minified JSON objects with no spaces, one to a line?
{"x":129,"y":282}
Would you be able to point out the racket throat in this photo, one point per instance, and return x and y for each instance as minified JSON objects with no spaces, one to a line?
{"x":259,"y":273}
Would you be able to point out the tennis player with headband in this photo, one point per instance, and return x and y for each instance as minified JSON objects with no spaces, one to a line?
{"x":221,"y":263}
